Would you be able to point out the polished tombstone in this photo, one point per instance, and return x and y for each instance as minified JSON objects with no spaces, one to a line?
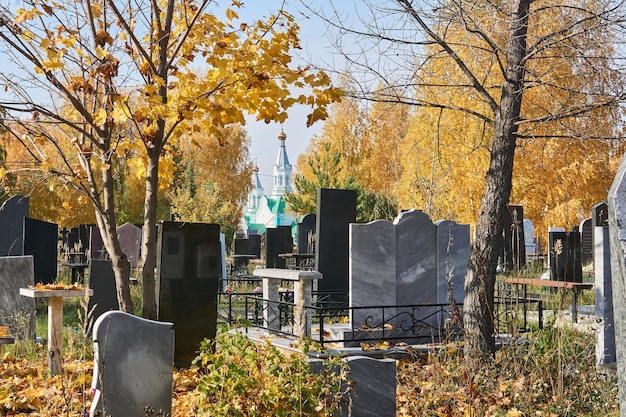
{"x":254,"y":246}
{"x":305,"y":234}
{"x":372,"y":271}
{"x":40,"y":240}
{"x":372,"y":385}
{"x":102,"y":281}
{"x":617,"y":239}
{"x":188,"y":270}
{"x":130,"y":241}
{"x":96,"y":244}
{"x":586,"y":241}
{"x":17,"y":312}
{"x":410,"y":262}
{"x":276,"y":240}
{"x":133,"y":366}
{"x":336,"y":209}
{"x":605,"y":333}
{"x":416,"y":258}
{"x":453,"y":253}
{"x":529,"y":241}
{"x":565,"y":256}
{"x":12,"y":214}
{"x":513,"y":242}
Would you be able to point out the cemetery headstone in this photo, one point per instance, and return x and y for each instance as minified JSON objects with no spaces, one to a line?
{"x":407,"y":263}
{"x":586,"y":241}
{"x":372,"y":386}
{"x":102,"y":281}
{"x":605,"y":333}
{"x":600,"y":215}
{"x":254,"y":246}
{"x":529,"y":241}
{"x":617,"y":237}
{"x":453,"y":253}
{"x":12,"y":214}
{"x":96,"y":244}
{"x":565,"y":256}
{"x":15,"y":311}
{"x":336,"y":209}
{"x":513,"y":243}
{"x":133,"y":366}
{"x":130,"y":241}
{"x":306,"y":234}
{"x":275,"y":241}
{"x":188,"y":270}
{"x":40,"y":240}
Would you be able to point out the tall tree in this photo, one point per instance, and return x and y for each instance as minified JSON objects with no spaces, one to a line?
{"x":497,"y":57}
{"x":136,"y":76}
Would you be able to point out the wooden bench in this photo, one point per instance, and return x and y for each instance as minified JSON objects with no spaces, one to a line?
{"x":575,"y":287}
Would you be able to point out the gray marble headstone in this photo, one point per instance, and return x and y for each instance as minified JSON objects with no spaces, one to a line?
{"x":529,"y":240}
{"x":605,"y":334}
{"x":12,"y":213}
{"x":372,"y":270}
{"x":133,"y":366}
{"x":416,"y":258}
{"x":102,"y":282}
{"x":16,"y":311}
{"x":40,"y":240}
{"x":373,"y":386}
{"x":130,"y":241}
{"x":453,"y":253}
{"x":617,"y":238}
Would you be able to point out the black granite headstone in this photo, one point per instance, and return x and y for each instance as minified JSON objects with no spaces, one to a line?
{"x":600,"y":215}
{"x":306,"y":234}
{"x":12,"y":213}
{"x":241,"y":246}
{"x":586,"y":241}
{"x":565,"y":256}
{"x":336,"y":209}
{"x":102,"y":282}
{"x":188,"y":269}
{"x":40,"y":240}
{"x":513,"y":244}
{"x":276,"y":240}
{"x":254,"y":246}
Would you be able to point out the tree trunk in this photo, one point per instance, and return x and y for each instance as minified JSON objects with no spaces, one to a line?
{"x":481,"y":275}
{"x":108,"y":231}
{"x":148,"y":248}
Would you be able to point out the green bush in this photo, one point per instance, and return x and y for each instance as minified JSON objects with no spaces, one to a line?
{"x":244,"y":378}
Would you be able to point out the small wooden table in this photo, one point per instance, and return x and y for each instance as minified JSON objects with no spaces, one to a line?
{"x":55,"y":321}
{"x":575,"y":287}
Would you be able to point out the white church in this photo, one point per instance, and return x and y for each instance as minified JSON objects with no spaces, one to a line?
{"x":265,"y":211}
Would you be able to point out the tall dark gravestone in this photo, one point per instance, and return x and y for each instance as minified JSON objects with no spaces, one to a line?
{"x":102,"y":281}
{"x":12,"y":213}
{"x":40,"y":240}
{"x":306,"y":234}
{"x":240,"y":246}
{"x":254,"y":246}
{"x":336,"y":209}
{"x":188,"y":270}
{"x":514,"y":245}
{"x":565,"y":256}
{"x":277,"y":240}
{"x":586,"y":241}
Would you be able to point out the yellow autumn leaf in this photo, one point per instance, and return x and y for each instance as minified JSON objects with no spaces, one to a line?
{"x":100,"y":117}
{"x":22,"y":15}
{"x":66,"y":206}
{"x":101,"y":53}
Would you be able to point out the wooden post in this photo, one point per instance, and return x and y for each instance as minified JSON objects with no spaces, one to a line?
{"x":55,"y":335}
